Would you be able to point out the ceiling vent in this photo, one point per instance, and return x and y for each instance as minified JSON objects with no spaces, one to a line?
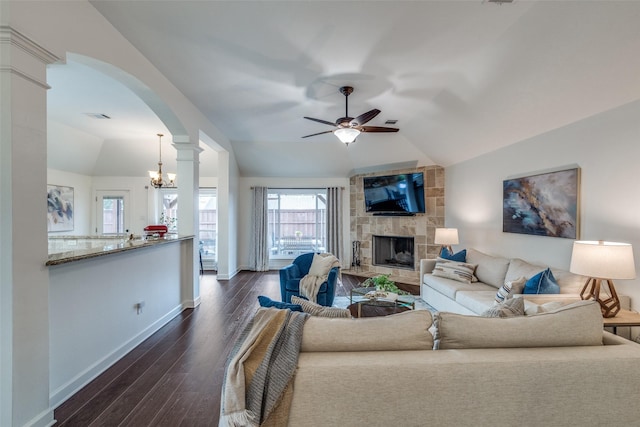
{"x":98,"y":116}
{"x":499,"y":2}
{"x":390,"y":122}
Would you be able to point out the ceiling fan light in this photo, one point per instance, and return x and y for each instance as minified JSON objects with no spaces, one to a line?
{"x":347,"y":135}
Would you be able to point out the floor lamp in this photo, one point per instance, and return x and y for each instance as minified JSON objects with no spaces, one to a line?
{"x":446,"y":237}
{"x":602,"y":262}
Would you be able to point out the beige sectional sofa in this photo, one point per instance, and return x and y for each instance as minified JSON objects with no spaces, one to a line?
{"x":384,"y":372}
{"x":473,"y":298}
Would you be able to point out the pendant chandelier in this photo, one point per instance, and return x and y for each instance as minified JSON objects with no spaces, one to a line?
{"x":156,"y":177}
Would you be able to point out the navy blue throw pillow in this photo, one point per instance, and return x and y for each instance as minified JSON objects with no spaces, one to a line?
{"x":268,"y":302}
{"x":542,"y":283}
{"x":459,"y":257}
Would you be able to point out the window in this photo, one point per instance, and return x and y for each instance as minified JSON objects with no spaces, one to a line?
{"x":297,"y":222}
{"x":113,"y":215}
{"x":169,"y":210}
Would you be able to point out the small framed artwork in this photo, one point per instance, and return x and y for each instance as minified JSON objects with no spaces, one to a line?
{"x":59,"y":208}
{"x":546,"y":204}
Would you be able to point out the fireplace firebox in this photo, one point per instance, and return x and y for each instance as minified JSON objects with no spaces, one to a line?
{"x":394,"y":252}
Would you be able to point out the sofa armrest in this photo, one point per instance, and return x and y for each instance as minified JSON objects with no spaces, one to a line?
{"x":426,"y":266}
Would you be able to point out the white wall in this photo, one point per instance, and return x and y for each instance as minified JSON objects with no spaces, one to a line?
{"x":82,"y":197}
{"x":102,"y":293}
{"x":606,"y":147}
{"x":245,"y":201}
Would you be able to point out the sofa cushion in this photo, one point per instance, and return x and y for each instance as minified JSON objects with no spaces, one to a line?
{"x":577,"y":324}
{"x":477,"y":301}
{"x":459,"y":271}
{"x":490,"y":270}
{"x":319,"y":310}
{"x":509,"y":308}
{"x":459,"y":256}
{"x":449,"y":287}
{"x":404,"y":331}
{"x":542,"y":283}
{"x":520,"y":268}
{"x":569,"y":283}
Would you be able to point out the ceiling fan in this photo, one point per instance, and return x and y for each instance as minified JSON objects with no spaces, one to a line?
{"x":349,"y":128}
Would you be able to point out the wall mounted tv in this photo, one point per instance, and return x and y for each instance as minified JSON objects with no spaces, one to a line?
{"x":401,"y":194}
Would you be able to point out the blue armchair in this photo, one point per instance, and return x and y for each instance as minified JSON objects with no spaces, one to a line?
{"x":290,"y":280}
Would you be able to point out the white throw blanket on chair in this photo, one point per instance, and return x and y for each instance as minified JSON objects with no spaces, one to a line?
{"x":318,"y":273}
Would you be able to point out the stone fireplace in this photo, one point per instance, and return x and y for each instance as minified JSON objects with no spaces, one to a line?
{"x":420,"y":227}
{"x":394,"y":252}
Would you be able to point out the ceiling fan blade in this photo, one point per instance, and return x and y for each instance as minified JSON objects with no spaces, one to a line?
{"x":364,"y":118}
{"x":376,"y":129}
{"x":319,"y":133}
{"x":320,"y":121}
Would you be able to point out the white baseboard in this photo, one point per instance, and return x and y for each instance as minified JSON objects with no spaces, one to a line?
{"x":191,"y":303}
{"x":67,"y":390}
{"x":43,"y":419}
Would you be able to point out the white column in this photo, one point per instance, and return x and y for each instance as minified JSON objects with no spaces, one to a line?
{"x":24,"y":279}
{"x":188,"y":183}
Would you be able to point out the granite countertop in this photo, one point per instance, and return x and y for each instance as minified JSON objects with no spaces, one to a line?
{"x":106,"y":246}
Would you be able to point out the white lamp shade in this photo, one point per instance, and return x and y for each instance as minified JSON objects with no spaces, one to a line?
{"x":603,"y":260}
{"x":446,"y":236}
{"x":171,"y":176}
{"x":153,"y":174}
{"x":346,"y":135}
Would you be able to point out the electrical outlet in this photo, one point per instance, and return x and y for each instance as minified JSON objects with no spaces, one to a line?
{"x":138,"y":306}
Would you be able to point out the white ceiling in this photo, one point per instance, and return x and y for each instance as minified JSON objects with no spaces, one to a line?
{"x":461,"y":77}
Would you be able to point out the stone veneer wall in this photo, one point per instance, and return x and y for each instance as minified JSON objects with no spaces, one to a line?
{"x":421,"y":226}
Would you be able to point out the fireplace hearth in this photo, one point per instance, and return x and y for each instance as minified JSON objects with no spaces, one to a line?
{"x":394,"y":252}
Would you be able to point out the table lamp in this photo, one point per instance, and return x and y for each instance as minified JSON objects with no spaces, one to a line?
{"x":602,"y":262}
{"x":446,"y":237}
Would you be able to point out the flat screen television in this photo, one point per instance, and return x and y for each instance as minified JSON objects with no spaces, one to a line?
{"x":400,"y":194}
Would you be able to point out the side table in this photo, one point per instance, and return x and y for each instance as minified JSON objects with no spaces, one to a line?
{"x":623,"y":318}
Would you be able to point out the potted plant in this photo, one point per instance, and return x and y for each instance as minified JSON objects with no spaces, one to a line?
{"x":383,"y":283}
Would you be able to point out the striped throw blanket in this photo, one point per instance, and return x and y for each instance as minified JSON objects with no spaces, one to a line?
{"x":257,"y":387}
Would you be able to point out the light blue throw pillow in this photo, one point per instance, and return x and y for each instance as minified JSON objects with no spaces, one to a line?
{"x":542,"y":283}
{"x":268,"y":302}
{"x":458,"y":257}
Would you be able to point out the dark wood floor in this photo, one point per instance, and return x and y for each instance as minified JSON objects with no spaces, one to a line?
{"x":174,"y":377}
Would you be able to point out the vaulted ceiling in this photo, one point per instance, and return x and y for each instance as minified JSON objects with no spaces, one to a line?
{"x":461,"y":77}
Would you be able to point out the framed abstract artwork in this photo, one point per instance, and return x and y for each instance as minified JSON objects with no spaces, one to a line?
{"x":59,"y":208}
{"x":546,"y":204}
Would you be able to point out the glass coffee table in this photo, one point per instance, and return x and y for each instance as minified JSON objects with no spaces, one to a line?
{"x":360,"y":297}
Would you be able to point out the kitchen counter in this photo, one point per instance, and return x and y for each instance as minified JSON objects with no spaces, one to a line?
{"x":64,"y":249}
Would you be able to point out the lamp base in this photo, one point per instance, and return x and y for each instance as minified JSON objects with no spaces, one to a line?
{"x":591,"y":290}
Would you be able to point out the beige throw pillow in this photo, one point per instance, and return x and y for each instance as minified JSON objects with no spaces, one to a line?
{"x":575,"y":324}
{"x":404,"y":331}
{"x":319,"y":310}
{"x":458,"y":271}
{"x":321,"y":265}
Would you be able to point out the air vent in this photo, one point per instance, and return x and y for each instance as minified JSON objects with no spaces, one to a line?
{"x":499,"y":2}
{"x":98,"y":116}
{"x":390,"y":122}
